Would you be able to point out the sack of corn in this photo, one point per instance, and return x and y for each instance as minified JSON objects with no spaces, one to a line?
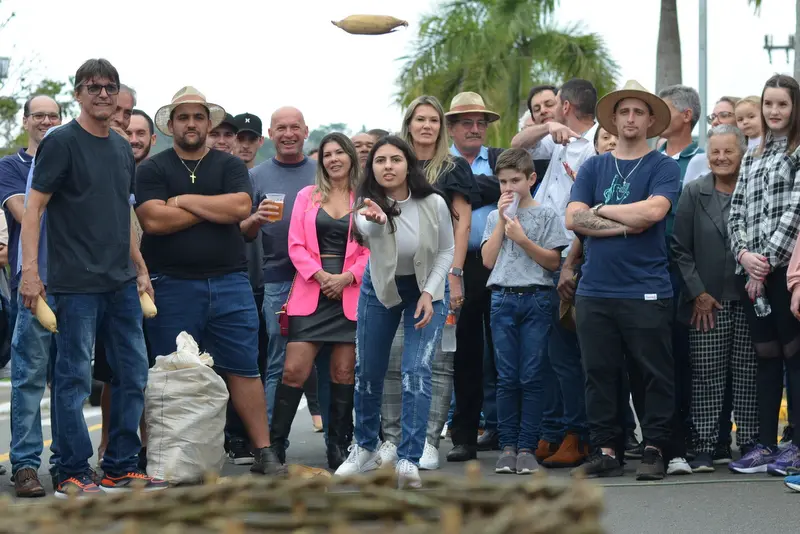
{"x":369,"y":24}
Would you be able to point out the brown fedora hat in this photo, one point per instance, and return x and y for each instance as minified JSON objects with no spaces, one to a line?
{"x":633,"y":89}
{"x":188,"y":95}
{"x":469,"y":102}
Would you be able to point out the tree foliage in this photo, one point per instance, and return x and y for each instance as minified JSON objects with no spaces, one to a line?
{"x":500,"y":49}
{"x":315,"y":136}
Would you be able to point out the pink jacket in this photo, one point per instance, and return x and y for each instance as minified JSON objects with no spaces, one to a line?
{"x":793,"y":272}
{"x":304,"y":252}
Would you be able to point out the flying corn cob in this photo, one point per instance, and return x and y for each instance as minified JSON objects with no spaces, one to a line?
{"x":148,"y":306}
{"x":369,"y":24}
{"x":45,"y":315}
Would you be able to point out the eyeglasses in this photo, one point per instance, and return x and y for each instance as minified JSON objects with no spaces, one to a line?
{"x":720,"y":115}
{"x":94,"y":89}
{"x":469,"y":123}
{"x":39,"y":117}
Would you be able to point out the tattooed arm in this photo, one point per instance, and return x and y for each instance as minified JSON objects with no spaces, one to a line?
{"x":581,"y":220}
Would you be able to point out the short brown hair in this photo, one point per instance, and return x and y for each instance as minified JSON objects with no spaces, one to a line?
{"x":516,"y":159}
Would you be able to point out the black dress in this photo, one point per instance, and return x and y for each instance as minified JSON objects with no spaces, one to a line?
{"x":458,"y":179}
{"x":328,"y":323}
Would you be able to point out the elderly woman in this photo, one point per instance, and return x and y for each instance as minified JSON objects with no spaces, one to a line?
{"x":719,"y":335}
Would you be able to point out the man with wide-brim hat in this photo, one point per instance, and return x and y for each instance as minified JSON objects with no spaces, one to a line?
{"x":619,"y":203}
{"x":191,"y":202}
{"x":187,"y":95}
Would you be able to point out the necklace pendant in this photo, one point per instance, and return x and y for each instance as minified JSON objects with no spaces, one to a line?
{"x":192,"y":176}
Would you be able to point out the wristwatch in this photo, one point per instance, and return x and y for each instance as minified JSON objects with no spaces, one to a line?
{"x":597,"y":207}
{"x":455,"y":271}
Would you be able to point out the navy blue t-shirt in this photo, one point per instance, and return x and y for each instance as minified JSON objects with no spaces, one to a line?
{"x":636,"y":266}
{"x":13,"y":177}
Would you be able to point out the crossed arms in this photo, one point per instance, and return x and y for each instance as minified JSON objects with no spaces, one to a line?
{"x":622,"y":219}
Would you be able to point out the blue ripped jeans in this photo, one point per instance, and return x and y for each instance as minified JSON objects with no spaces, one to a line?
{"x":376,"y":327}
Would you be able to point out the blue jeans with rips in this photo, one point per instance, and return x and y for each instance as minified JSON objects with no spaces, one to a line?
{"x":33,"y":352}
{"x":373,"y":346}
{"x":520,"y":327}
{"x":117,"y":317}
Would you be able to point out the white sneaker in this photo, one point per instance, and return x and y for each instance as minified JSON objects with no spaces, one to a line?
{"x":388,"y":453}
{"x":430,"y":458}
{"x":407,"y":475}
{"x":359,"y":461}
{"x":679,"y":466}
{"x":443,"y":435}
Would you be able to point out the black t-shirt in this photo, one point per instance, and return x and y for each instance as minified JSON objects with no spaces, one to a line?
{"x":88,"y":216}
{"x":457,"y":179}
{"x":206,"y":249}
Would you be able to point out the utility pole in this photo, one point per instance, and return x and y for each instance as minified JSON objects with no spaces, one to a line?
{"x":703,"y":82}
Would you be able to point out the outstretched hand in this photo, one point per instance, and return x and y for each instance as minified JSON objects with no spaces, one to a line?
{"x":372,"y":212}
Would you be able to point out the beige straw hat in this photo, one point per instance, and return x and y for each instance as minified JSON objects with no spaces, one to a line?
{"x":632,"y":89}
{"x":469,"y":102}
{"x":188,"y":95}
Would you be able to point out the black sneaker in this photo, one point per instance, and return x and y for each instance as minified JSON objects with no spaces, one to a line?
{"x":722,"y":455}
{"x":130,"y":481}
{"x":652,"y":466}
{"x":599,"y":465}
{"x":702,"y":463}
{"x":81,"y":486}
{"x":239,"y":452}
{"x":633,"y":449}
{"x":267,"y":463}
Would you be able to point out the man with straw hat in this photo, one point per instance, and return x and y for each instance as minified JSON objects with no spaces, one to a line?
{"x":619,"y":202}
{"x":191,"y":200}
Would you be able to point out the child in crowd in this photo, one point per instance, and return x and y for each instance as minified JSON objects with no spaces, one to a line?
{"x":522,"y":244}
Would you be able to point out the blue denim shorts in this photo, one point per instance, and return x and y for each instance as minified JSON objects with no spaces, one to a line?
{"x":219,"y":313}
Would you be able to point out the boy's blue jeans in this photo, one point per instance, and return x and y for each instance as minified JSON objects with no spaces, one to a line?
{"x":375,"y":329}
{"x":520,"y":329}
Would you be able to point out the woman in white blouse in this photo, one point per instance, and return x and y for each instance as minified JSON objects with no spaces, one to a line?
{"x":407,"y":226}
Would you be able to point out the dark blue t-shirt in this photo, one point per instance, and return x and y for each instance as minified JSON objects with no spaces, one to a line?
{"x":13,"y":176}
{"x":636,"y":266}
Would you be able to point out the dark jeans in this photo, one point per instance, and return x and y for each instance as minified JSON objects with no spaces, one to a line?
{"x":468,"y":364}
{"x":612,"y":331}
{"x":117,"y":317}
{"x":520,"y":327}
{"x":565,"y":362}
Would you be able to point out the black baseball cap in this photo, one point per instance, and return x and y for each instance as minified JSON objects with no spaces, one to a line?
{"x":247,"y":122}
{"x":230,"y":121}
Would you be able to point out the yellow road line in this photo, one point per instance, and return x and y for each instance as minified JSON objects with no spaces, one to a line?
{"x":93,"y":428}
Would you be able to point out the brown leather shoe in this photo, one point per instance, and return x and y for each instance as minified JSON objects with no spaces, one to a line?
{"x":26,"y":483}
{"x":572,"y":453}
{"x":545,"y":450}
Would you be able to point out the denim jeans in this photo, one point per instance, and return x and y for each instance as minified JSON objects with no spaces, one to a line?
{"x":32,"y":353}
{"x":520,"y":327}
{"x":275,"y":296}
{"x":565,"y":361}
{"x":373,"y":347}
{"x":116,"y":316}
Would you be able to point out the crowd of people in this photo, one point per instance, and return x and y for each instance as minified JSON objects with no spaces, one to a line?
{"x":588,"y":279}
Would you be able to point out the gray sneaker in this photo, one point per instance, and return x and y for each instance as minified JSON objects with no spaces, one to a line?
{"x":507,"y":463}
{"x":526,"y":462}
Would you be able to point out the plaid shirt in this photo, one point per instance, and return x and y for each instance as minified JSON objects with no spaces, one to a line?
{"x":765,"y":207}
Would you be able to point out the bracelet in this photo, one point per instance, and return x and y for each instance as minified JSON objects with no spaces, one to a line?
{"x":176,"y":202}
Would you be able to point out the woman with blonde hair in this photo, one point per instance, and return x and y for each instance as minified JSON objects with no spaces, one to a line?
{"x":323,"y":300}
{"x":424,"y":130}
{"x":748,"y":119}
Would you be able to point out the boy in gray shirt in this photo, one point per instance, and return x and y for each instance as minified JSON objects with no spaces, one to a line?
{"x":522,"y":252}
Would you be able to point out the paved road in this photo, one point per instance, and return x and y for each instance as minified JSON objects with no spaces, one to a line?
{"x":712,"y":503}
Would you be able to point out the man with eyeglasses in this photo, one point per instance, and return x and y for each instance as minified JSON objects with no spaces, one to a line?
{"x":40,"y":113}
{"x":223,"y":137}
{"x":95,"y":276}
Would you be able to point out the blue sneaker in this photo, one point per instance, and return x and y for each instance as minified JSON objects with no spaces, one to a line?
{"x":755,"y":461}
{"x":793,"y":483}
{"x":787,"y":463}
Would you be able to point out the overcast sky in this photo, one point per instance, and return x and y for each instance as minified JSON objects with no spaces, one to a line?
{"x":257,"y":55}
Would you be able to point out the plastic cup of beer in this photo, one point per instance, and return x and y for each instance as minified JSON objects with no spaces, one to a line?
{"x":277,"y":199}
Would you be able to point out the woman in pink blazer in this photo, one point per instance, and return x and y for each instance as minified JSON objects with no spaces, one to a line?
{"x":324,"y":297}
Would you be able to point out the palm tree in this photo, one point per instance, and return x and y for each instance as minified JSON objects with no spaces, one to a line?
{"x":668,"y":51}
{"x":500,"y":49}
